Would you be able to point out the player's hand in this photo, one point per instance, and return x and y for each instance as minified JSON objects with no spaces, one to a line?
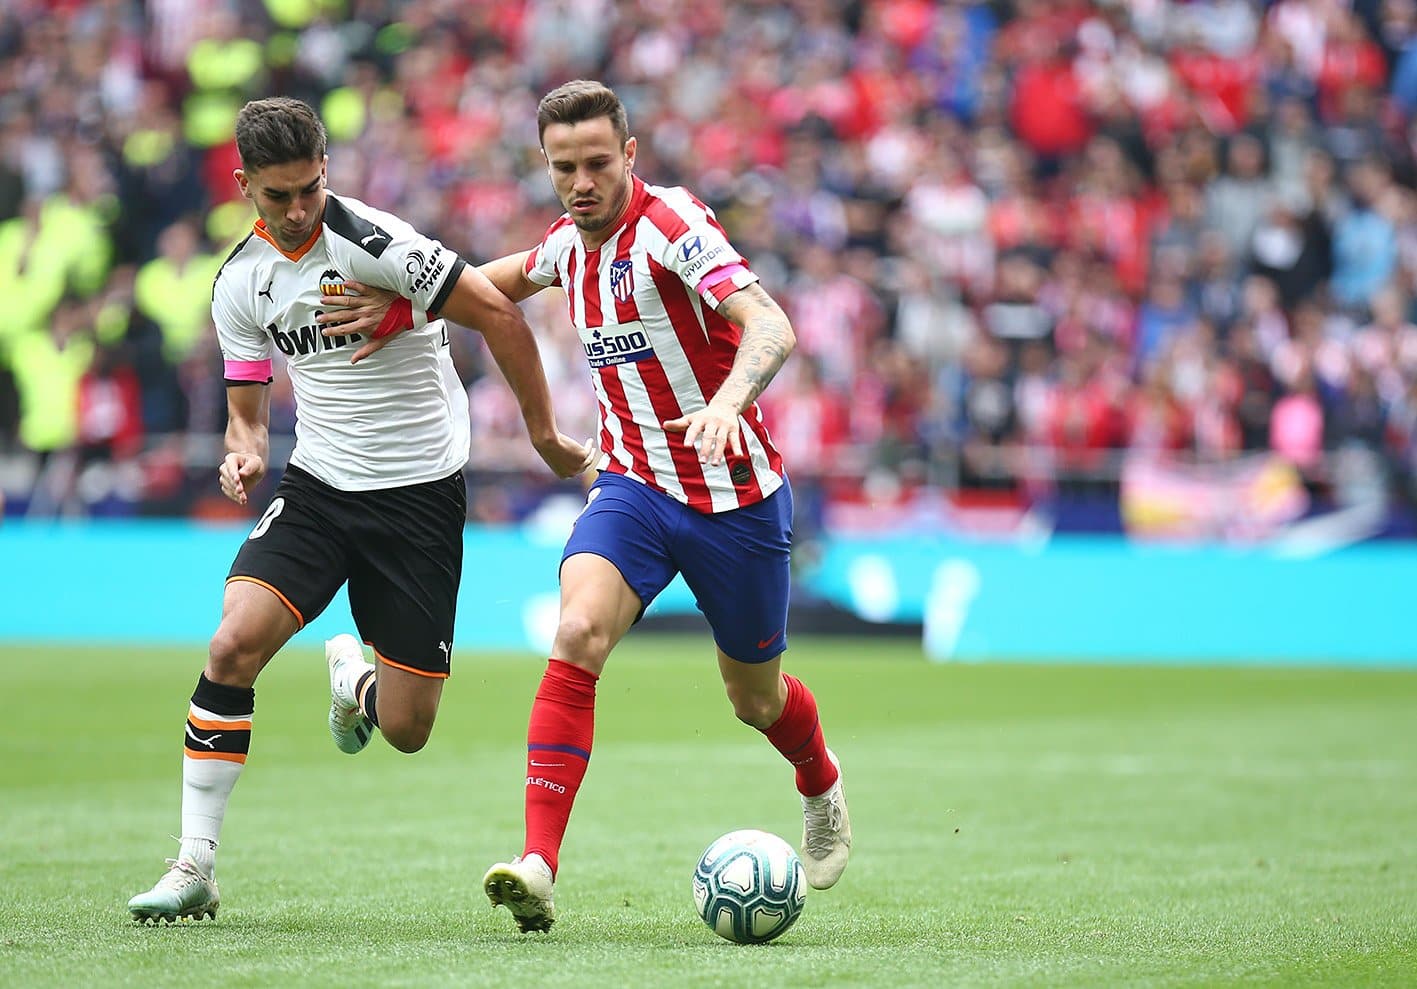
{"x":359,"y":310}
{"x":239,"y":472}
{"x":566,"y":457}
{"x":710,"y":431}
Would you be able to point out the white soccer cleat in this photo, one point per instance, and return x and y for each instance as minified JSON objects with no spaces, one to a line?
{"x":350,"y":729}
{"x":826,"y":833}
{"x":182,"y":893}
{"x":524,"y":886}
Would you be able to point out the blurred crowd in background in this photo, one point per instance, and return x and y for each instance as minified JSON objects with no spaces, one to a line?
{"x":1022,"y":243}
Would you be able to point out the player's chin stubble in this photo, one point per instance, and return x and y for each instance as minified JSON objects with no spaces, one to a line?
{"x":591,"y":224}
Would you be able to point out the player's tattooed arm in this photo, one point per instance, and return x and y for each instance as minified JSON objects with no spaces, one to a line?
{"x":766,"y":341}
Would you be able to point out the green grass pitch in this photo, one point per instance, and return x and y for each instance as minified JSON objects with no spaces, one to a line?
{"x":1015,"y":825}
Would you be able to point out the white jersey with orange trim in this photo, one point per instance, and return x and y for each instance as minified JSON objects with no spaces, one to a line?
{"x":646,"y":308}
{"x":396,"y":418}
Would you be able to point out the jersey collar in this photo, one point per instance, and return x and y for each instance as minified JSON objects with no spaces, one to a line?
{"x":261,"y":231}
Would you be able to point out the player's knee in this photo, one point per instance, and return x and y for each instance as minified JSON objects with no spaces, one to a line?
{"x":757,"y":708}
{"x":234,"y":655}
{"x":582,"y":640}
{"x":407,"y":732}
{"x":408,"y":742}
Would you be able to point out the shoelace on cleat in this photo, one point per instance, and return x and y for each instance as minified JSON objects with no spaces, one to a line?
{"x":823,"y":823}
{"x":180,"y":876}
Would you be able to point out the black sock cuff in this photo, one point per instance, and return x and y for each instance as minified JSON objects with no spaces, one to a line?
{"x":371,"y":699}
{"x":218,"y":698}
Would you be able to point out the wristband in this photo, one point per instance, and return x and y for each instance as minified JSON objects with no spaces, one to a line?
{"x":396,"y":320}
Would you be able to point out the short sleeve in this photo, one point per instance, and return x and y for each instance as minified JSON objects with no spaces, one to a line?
{"x":245,"y":347}
{"x":540,"y":264}
{"x":700,"y":254}
{"x":388,"y":251}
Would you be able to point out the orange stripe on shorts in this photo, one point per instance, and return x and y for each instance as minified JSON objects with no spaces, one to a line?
{"x":408,"y":669}
{"x":283,"y":599}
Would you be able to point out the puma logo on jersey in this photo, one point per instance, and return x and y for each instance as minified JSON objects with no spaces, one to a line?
{"x":374,"y":238}
{"x":267,"y":291}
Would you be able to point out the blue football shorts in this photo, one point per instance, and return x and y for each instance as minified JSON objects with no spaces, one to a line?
{"x":736,"y":563}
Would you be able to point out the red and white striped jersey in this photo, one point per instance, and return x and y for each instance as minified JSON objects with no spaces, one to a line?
{"x":646,"y":308}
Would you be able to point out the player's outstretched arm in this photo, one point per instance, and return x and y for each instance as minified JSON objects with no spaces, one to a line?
{"x":366,"y":309}
{"x":509,"y":275}
{"x":488,"y":307}
{"x":766,"y":341}
{"x":248,"y":416}
{"x":477,"y":303}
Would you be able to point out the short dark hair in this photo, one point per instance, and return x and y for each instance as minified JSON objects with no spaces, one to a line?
{"x":580,"y":100}
{"x":276,"y":131}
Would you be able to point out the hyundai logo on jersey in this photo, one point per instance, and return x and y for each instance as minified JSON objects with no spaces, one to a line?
{"x":690,"y":247}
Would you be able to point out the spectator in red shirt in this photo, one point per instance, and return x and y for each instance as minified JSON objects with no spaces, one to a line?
{"x":1048,"y":110}
{"x":110,"y":408}
{"x":1350,"y":58}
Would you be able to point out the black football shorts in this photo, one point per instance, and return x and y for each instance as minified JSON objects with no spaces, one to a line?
{"x":399,"y":549}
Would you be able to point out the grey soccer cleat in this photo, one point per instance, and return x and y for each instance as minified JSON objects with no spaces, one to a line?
{"x":182,"y":893}
{"x":826,"y":834}
{"x":350,"y":729}
{"x":524,"y":886}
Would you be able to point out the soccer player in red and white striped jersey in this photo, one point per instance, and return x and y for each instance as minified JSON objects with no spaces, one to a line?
{"x":648,"y":306}
{"x":681,"y":339}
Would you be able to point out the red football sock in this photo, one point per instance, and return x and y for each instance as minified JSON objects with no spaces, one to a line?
{"x":797,"y":734}
{"x":558,"y":751}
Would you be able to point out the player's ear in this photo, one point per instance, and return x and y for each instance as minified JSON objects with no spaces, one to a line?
{"x":630,"y":146}
{"x":242,"y":182}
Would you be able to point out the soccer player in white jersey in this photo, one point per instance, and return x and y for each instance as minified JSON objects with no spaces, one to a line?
{"x":373,"y":495}
{"x":681,"y":339}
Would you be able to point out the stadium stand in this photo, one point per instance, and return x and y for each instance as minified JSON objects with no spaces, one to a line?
{"x":1032,"y":249}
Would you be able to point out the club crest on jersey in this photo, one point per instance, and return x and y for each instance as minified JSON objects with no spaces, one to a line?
{"x":331,"y":282}
{"x":622,"y":280}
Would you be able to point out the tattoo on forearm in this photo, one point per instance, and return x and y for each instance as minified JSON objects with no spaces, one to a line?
{"x":767,"y":340}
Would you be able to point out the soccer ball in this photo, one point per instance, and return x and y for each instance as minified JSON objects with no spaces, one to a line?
{"x":749,"y":886}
